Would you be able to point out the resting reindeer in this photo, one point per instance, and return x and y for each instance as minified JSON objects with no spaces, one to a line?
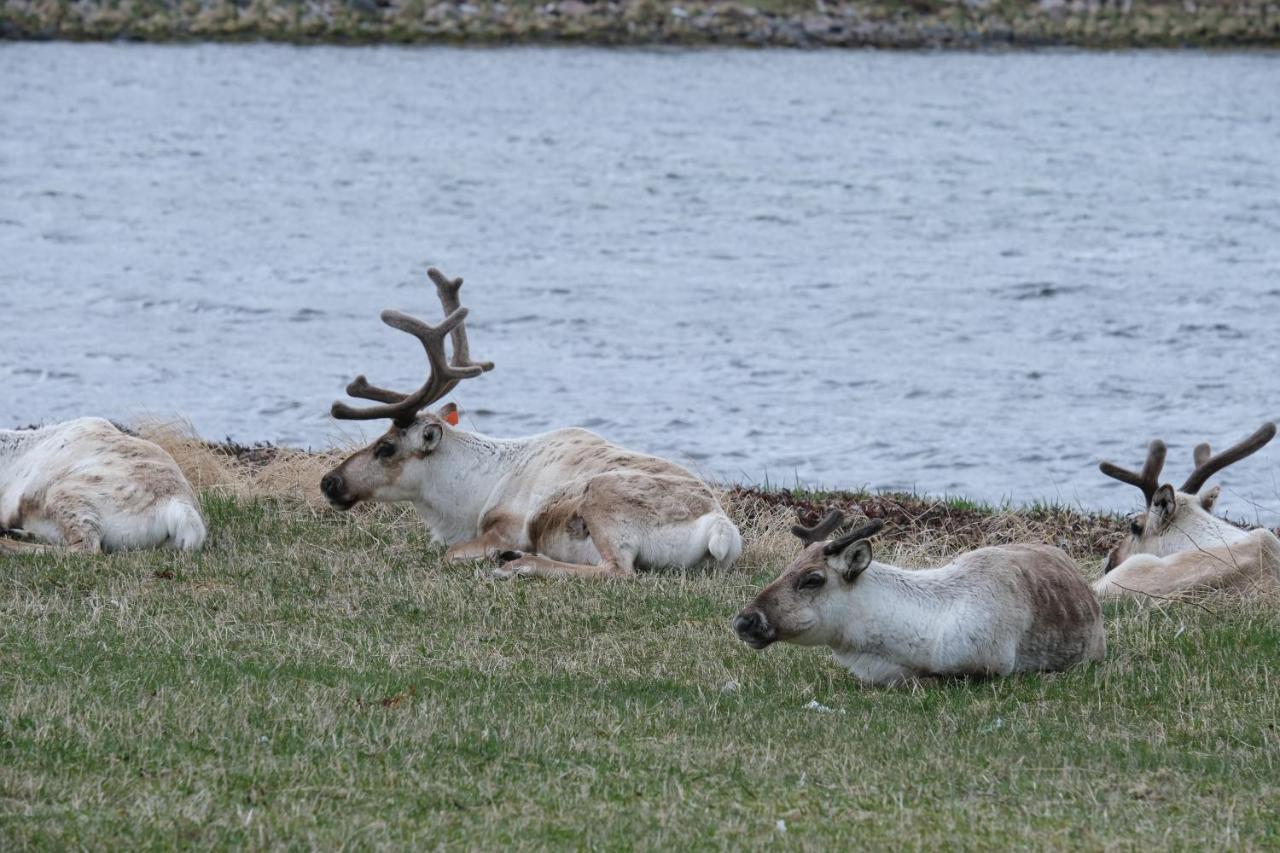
{"x":579,"y":505}
{"x":89,"y":486}
{"x":1010,"y":608}
{"x":1178,"y":545}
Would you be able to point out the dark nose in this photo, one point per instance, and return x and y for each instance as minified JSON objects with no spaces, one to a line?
{"x":332,"y":485}
{"x":753,"y":629}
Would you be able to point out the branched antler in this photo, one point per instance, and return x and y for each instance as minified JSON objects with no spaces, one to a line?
{"x":1149,"y":479}
{"x":820,"y":531}
{"x":866,"y":531}
{"x":1207,"y":465}
{"x":444,"y":375}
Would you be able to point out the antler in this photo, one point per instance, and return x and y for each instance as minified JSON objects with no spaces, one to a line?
{"x":447,"y":289}
{"x":444,"y":375}
{"x":1207,"y":465}
{"x":866,"y":531}
{"x":1149,"y":479}
{"x":820,"y":531}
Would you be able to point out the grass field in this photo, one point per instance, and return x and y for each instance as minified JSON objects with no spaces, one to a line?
{"x":315,"y":679}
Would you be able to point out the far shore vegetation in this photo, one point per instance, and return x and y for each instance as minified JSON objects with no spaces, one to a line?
{"x":325,"y":680}
{"x":789,"y":23}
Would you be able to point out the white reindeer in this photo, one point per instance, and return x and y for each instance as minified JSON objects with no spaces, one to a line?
{"x":993,"y":611}
{"x":1178,"y":546}
{"x":88,"y":486}
{"x":564,"y":503}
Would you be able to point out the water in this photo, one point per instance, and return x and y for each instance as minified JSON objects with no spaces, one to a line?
{"x":963,"y":273}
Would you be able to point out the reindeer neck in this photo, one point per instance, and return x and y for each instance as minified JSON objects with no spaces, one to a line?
{"x":1197,"y":529}
{"x":473,"y":468}
{"x":894,"y":610}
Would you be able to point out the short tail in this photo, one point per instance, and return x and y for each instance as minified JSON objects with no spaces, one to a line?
{"x":724,"y":542}
{"x":185,"y":525}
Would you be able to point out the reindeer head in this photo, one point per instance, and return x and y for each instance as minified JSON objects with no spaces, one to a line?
{"x":1175,"y":520}
{"x":394,"y":467}
{"x":806,"y":599}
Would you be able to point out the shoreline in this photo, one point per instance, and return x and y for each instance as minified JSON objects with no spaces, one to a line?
{"x":882,"y":24}
{"x":265,"y":470}
{"x":952,"y":523}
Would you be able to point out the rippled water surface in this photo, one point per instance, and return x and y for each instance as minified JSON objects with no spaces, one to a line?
{"x":962,"y":273}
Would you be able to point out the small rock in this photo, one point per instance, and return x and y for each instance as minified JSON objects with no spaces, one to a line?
{"x":730,"y":686}
{"x":815,"y":705}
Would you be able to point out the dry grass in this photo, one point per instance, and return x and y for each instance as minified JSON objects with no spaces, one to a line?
{"x":324,"y":680}
{"x":244,"y":472}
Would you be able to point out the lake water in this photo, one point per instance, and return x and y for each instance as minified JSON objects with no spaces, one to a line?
{"x":959,"y":273}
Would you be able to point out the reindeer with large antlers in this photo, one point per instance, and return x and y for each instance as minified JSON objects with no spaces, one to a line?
{"x":564,"y":503}
{"x":993,"y":611}
{"x":1177,"y":545}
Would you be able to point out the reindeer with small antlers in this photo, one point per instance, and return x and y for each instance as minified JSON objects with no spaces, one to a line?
{"x":993,"y":611}
{"x":1177,"y":545}
{"x":564,"y":503}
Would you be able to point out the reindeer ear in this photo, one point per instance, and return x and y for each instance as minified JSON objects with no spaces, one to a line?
{"x":449,"y":413}
{"x":1163,"y":503}
{"x":431,"y":435}
{"x":852,"y":560}
{"x":1209,"y":498}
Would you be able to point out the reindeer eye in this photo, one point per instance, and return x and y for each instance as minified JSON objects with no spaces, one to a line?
{"x":1135,"y":528}
{"x":813,"y":580}
{"x":384,"y":450}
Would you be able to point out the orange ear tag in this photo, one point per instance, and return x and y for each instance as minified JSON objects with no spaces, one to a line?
{"x":452,"y":417}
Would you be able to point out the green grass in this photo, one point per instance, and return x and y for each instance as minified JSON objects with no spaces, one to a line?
{"x":321,"y":680}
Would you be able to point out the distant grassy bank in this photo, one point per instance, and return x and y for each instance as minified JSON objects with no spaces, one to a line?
{"x":791,"y":23}
{"x":315,"y":679}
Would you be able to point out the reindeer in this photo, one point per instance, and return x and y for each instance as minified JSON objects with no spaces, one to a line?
{"x":564,"y":503}
{"x":88,"y":486}
{"x":993,"y":611}
{"x":1177,"y":545}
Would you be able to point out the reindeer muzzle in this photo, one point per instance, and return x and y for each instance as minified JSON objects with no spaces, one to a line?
{"x":753,"y":628}
{"x":334,"y":488}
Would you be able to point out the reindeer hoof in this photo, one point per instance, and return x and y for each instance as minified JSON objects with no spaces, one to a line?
{"x":508,"y":556}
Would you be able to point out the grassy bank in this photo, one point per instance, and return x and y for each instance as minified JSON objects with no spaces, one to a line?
{"x":322,"y":679}
{"x":792,"y":23}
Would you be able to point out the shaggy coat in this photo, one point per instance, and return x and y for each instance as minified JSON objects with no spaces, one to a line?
{"x":88,"y":486}
{"x":566,"y":502}
{"x":994,"y":611}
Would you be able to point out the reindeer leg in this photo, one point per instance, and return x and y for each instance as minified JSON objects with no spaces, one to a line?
{"x":21,"y":544}
{"x":79,"y":522}
{"x":472,"y":549}
{"x":498,"y":533}
{"x":615,"y":562}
